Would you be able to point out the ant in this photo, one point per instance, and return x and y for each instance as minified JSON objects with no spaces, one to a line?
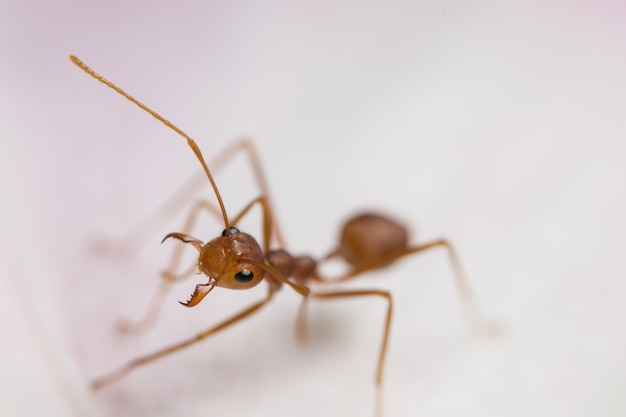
{"x":236,"y":260}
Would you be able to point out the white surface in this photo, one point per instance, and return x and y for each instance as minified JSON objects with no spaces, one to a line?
{"x":499,"y":127}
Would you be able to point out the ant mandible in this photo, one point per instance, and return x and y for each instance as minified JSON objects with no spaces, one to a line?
{"x":236,"y":260}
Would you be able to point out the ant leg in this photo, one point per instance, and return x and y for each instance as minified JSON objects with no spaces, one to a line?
{"x":385,"y":260}
{"x":143,"y":360}
{"x":268,"y":219}
{"x":132,"y":242}
{"x":468,"y":299}
{"x":383,"y":348}
{"x":466,"y":294}
{"x":248,"y":146}
{"x":302,"y":332}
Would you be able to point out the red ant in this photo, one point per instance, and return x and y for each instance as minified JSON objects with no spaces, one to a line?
{"x":236,"y":260}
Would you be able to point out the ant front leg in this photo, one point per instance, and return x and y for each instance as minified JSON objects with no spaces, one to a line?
{"x":144,"y":360}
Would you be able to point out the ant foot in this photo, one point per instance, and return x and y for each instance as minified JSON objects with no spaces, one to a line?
{"x":126,"y":327}
{"x":106,"y":246}
{"x":490,"y":329}
{"x":169,"y":276}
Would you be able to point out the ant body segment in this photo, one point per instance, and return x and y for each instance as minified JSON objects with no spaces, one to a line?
{"x":236,"y":260}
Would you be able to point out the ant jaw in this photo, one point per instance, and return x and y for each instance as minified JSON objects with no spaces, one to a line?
{"x":185,"y":239}
{"x":199,"y":293}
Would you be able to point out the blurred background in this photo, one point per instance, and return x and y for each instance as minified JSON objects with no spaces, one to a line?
{"x":498,"y":125}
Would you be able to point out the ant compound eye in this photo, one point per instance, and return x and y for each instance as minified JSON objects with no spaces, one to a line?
{"x":243,"y":277}
{"x":230,"y":231}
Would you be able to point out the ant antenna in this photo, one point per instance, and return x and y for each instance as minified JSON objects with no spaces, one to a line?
{"x":190,"y":142}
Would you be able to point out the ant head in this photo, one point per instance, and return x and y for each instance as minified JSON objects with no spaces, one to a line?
{"x":233,"y":260}
{"x":224,"y":259}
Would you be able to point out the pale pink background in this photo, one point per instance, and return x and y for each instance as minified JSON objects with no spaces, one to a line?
{"x":501,"y":127}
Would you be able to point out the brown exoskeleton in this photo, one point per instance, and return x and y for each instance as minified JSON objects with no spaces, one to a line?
{"x":236,"y":260}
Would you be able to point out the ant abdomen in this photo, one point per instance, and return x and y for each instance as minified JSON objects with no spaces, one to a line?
{"x":367,"y":237}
